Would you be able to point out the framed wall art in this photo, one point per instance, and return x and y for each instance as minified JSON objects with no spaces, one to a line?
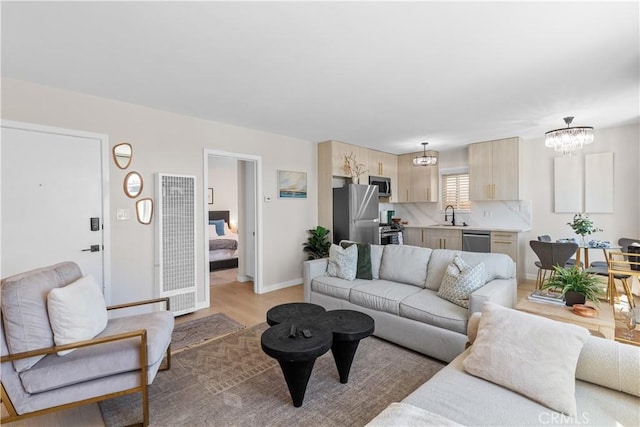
{"x":292,"y":185}
{"x":210,"y":196}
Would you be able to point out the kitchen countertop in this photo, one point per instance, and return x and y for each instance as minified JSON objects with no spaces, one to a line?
{"x":468,"y":227}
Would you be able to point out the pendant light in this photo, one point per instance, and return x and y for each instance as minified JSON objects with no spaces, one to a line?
{"x":425,"y":159}
{"x":569,"y":139}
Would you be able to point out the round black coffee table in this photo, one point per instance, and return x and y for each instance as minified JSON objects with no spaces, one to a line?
{"x":348,"y":328}
{"x":296,"y":355}
{"x":294,"y":312}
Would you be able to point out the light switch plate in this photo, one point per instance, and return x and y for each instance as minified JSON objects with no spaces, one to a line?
{"x":122,"y":214}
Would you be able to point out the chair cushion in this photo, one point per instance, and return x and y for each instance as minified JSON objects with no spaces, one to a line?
{"x":105,"y":360}
{"x":24,"y":308}
{"x":528,"y":354}
{"x":76,"y":312}
{"x":381,"y":295}
{"x":426,"y":307}
{"x":405,"y":264}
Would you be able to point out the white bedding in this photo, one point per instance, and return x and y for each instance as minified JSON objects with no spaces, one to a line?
{"x":220,"y":254}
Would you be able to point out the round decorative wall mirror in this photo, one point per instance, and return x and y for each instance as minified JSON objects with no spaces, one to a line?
{"x":122,"y":154}
{"x":144,"y":211}
{"x":133,"y":184}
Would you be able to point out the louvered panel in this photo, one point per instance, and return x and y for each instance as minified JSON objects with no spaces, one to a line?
{"x":176,"y":240}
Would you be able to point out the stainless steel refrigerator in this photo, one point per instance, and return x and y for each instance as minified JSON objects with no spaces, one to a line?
{"x":355,"y":214}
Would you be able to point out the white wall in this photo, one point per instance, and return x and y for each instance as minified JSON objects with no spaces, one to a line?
{"x":624,"y":142}
{"x":171,"y":143}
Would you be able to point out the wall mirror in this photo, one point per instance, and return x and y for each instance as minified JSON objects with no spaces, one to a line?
{"x":144,"y":211}
{"x":122,"y":154}
{"x":133,"y":184}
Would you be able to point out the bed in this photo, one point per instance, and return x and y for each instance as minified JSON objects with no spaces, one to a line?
{"x":223,"y":247}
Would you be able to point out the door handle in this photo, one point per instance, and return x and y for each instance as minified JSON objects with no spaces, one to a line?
{"x":92,"y":248}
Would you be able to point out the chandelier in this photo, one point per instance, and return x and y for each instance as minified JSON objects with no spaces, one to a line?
{"x":425,"y":159}
{"x":569,"y":139}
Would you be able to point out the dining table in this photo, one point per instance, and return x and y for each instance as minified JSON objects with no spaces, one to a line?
{"x":583,"y":252}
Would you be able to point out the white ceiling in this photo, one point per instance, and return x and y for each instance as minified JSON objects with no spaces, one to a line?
{"x":386,"y":75}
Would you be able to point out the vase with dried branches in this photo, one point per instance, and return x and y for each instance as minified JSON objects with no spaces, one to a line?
{"x":352,"y":168}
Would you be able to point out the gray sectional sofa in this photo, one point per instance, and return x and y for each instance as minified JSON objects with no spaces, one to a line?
{"x":402,"y":297}
{"x":607,"y":390}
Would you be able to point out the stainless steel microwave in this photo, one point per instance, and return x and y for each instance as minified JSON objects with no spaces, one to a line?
{"x":383,"y":184}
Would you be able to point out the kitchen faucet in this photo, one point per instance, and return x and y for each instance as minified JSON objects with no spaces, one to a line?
{"x":453,"y":214}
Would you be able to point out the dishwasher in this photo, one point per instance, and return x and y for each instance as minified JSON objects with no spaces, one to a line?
{"x":476,"y":240}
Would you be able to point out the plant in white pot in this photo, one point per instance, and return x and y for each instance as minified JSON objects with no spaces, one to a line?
{"x":576,"y":285}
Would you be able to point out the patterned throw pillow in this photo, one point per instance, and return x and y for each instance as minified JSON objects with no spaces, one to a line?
{"x":343,"y":262}
{"x":460,"y":281}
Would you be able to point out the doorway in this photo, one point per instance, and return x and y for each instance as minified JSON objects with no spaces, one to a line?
{"x":55,"y":200}
{"x":237,"y":192}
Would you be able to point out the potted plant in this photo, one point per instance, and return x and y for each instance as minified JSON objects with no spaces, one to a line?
{"x":576,"y":285}
{"x":583,"y":225}
{"x":318,"y":243}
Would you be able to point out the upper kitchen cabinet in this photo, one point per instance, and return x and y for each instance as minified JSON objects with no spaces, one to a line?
{"x":494,"y":170}
{"x":385,"y":165}
{"x":416,"y":184}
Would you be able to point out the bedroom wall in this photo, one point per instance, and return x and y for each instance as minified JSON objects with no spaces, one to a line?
{"x":223,"y":178}
{"x":172,"y":143}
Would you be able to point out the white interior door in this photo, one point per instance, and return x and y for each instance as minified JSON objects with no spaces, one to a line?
{"x":52,"y":185}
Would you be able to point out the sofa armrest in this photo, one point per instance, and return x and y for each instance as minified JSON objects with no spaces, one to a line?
{"x":499,"y":291}
{"x":310,"y":270}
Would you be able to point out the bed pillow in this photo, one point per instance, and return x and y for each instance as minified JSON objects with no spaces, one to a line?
{"x":343,"y":262}
{"x":363,"y":269}
{"x":213,"y":232}
{"x":460,"y":281}
{"x":529,"y":354}
{"x":76,"y":312}
{"x":219,"y":223}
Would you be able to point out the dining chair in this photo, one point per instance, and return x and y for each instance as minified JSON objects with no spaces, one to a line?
{"x":619,"y":267}
{"x":551,"y":255}
{"x":571,"y":262}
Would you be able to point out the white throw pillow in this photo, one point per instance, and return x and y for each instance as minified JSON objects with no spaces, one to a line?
{"x":460,"y":281}
{"x":76,"y":312}
{"x":343,"y":263}
{"x":528,"y":354}
{"x":212,"y":232}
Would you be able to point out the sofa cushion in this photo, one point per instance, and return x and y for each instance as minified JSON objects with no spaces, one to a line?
{"x":528,"y":354}
{"x":363,"y":267}
{"x":376,"y":260}
{"x":381,"y":295}
{"x":335,"y":287}
{"x":343,"y":262}
{"x":460,"y":280}
{"x":24,"y":308}
{"x":426,"y":307}
{"x":103,"y":360}
{"x":77,"y":312}
{"x":438,"y":263}
{"x":405,"y":264}
{"x":404,"y":414}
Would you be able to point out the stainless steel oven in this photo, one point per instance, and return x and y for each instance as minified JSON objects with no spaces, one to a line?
{"x":390,"y":235}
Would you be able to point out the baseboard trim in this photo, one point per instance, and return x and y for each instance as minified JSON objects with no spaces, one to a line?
{"x":281,"y":285}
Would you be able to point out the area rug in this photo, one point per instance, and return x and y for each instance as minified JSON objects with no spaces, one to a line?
{"x":231,"y":382}
{"x":197,"y":331}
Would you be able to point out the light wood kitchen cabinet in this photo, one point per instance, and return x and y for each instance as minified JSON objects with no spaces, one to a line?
{"x":417,"y":184}
{"x":505,"y":242}
{"x":445,"y":238}
{"x":338,"y":152}
{"x":433,"y":238}
{"x":412,"y":236}
{"x":494,"y":170}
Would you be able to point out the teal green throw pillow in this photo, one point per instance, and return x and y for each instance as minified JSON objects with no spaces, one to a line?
{"x":364,"y":259}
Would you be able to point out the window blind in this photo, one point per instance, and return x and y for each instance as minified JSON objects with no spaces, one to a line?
{"x":455,"y":191}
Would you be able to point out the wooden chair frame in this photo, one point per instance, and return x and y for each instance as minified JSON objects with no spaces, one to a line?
{"x":619,"y":264}
{"x":142,"y":388}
